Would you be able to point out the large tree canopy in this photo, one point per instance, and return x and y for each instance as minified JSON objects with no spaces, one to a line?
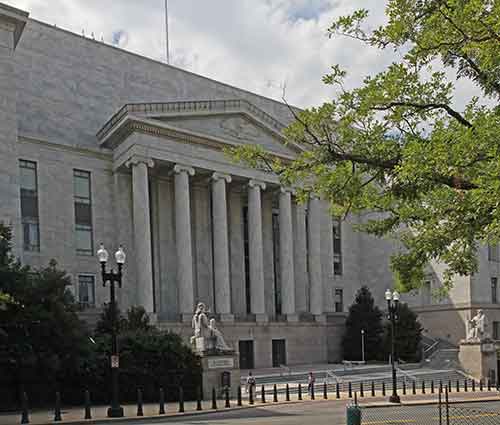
{"x":397,"y":146}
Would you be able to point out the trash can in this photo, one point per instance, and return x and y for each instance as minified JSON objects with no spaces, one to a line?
{"x":353,"y":415}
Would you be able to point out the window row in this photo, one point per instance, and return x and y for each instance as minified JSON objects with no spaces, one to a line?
{"x":30,"y":215}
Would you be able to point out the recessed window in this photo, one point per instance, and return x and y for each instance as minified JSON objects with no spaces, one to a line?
{"x":494,"y":290}
{"x":29,"y":205}
{"x":86,"y":291}
{"x":339,"y":300}
{"x":83,"y":212}
{"x":493,"y":252}
{"x":496,"y":330}
{"x":337,"y":247}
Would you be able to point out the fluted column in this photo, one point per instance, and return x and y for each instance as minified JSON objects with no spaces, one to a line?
{"x":183,"y":241}
{"x":256,"y":250}
{"x":314,"y":257}
{"x":142,"y":230}
{"x":286,"y":255}
{"x":221,"y":246}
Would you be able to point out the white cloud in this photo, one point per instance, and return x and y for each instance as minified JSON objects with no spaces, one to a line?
{"x":259,"y":45}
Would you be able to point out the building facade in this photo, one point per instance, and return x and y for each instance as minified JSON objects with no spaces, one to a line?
{"x":101,"y":145}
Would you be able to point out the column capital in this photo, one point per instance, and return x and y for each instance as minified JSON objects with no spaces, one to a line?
{"x":257,"y":183}
{"x":216,"y":176}
{"x":287,"y":189}
{"x":140,"y":159}
{"x":180,"y":168}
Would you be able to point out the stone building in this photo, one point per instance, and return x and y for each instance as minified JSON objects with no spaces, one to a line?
{"x":102,"y":145}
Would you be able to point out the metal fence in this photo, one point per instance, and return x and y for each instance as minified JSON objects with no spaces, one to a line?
{"x":444,"y":410}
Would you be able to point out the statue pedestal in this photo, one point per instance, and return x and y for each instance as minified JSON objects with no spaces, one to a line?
{"x":218,"y":371}
{"x":479,"y":358}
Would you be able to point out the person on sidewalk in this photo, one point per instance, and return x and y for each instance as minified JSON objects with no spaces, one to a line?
{"x":310,"y":382}
{"x":250,"y":383}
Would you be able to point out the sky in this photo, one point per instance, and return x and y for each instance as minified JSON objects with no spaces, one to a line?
{"x":271,"y":47}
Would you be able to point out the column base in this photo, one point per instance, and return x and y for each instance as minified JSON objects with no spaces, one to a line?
{"x":261,"y":318}
{"x":292,"y":317}
{"x":320,"y":318}
{"x":186,"y":317}
{"x":226,"y":318}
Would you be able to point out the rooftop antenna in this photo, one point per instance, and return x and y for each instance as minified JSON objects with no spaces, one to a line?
{"x":166,"y":32}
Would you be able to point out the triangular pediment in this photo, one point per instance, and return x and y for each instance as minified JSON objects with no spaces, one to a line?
{"x":235,"y":122}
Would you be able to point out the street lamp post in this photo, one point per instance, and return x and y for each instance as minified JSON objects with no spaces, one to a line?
{"x":392,"y":307}
{"x":115,"y":410}
{"x":363,"y":345}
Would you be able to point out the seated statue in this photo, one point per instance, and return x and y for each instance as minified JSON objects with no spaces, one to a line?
{"x":215,"y":333}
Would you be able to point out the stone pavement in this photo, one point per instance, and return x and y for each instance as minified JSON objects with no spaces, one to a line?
{"x":75,"y":415}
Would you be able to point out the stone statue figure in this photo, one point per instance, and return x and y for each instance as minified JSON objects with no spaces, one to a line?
{"x":215,"y":333}
{"x":478,"y":327}
{"x":199,"y":322}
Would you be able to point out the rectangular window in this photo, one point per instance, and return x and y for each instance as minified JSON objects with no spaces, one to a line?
{"x":83,"y":212}
{"x":494,"y":290}
{"x":337,"y":247}
{"x":426,"y":292}
{"x":247,"y":259}
{"x":496,"y":330}
{"x":86,"y":291}
{"x":29,"y":205}
{"x":493,"y":252}
{"x":277,"y":270}
{"x":339,"y":300}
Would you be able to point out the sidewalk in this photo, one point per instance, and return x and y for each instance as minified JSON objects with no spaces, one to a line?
{"x":75,"y":415}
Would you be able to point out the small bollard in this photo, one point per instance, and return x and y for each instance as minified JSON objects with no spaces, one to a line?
{"x":423,"y":387}
{"x":432,"y":386}
{"x":413,"y":387}
{"x":404,"y":386}
{"x":161,"y":410}
{"x":481,"y":386}
{"x":312,"y":391}
{"x":337,"y":390}
{"x":88,"y":412}
{"x":458,"y":386}
{"x":181,"y":400}
{"x":373,"y":389}
{"x":473,"y":385}
{"x":489,"y":384}
{"x":262,"y":394}
{"x":24,"y":413}
{"x":228,"y":404}
{"x":350,"y":390}
{"x":275,"y":393}
{"x":139,"y":402}
{"x":449,"y":385}
{"x":57,"y":410}
{"x":214,"y":399}
{"x":250,"y":395}
{"x":325,"y":391}
{"x":383,"y":387}
{"x":300,"y":392}
{"x":198,"y":399}
{"x":287,"y":393}
{"x":465,"y":386}
{"x":361,"y":390}
{"x":239,"y":403}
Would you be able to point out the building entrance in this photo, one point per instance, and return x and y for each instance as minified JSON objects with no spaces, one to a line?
{"x":246,"y":354}
{"x":279,"y":352}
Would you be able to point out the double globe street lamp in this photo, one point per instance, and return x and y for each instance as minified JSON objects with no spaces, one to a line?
{"x":115,"y":410}
{"x":393,"y":307}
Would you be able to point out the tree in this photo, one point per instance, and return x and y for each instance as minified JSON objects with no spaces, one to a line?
{"x":397,"y":147}
{"x":42,"y":337}
{"x":408,"y":335}
{"x":363,"y":314}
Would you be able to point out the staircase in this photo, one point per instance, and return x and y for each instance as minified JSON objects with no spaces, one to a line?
{"x":439,"y":354}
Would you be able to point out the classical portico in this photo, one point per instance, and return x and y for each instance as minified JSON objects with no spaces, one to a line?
{"x":183,"y":143}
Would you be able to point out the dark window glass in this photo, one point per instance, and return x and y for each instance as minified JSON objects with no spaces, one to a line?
{"x":493,"y":252}
{"x":496,"y":330}
{"x":339,"y":300}
{"x":337,"y":247}
{"x":29,"y":205}
{"x":86,"y":291}
{"x":83,"y":212}
{"x":494,"y":290}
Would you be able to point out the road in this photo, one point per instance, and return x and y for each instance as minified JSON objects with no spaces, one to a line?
{"x":333,"y":413}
